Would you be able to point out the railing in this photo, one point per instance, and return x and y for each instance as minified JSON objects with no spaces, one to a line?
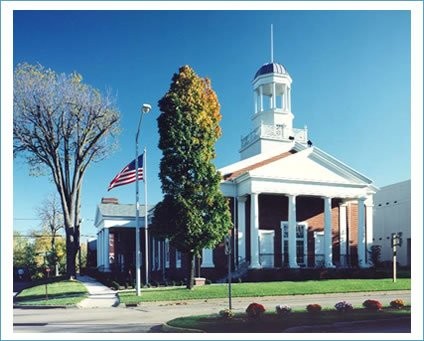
{"x":319,"y":260}
{"x":249,"y":138}
{"x":276,"y":132}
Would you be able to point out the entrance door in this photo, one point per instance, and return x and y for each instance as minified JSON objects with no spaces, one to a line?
{"x":301,"y":243}
{"x":266,"y":248}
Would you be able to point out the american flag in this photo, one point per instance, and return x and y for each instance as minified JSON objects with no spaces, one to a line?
{"x":128,"y":174}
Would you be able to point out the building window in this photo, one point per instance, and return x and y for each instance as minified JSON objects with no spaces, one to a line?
{"x":167,"y":253}
{"x":154,"y":255}
{"x":178,"y":259}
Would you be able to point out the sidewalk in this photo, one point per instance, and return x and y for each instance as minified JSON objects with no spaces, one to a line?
{"x":99,"y":296}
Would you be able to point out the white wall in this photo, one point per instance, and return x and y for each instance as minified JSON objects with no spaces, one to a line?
{"x":392,"y":213}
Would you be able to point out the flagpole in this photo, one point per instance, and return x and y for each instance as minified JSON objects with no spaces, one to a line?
{"x":146,"y":233}
{"x":137,"y":216}
{"x":144,"y":110}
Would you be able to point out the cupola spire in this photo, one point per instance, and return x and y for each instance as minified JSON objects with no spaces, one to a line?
{"x":272,"y":43}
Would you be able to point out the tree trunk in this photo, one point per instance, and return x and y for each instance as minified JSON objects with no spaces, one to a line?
{"x":190,"y":272}
{"x":72,"y":246}
{"x":198,"y":265}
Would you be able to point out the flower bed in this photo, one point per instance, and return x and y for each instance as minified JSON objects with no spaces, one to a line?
{"x":226,"y":313}
{"x":372,"y":305}
{"x":313,"y":308}
{"x":397,"y":304}
{"x":255,"y":310}
{"x":282,"y":309}
{"x":343,"y":306}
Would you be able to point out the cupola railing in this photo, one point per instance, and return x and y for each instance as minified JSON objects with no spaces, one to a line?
{"x":275,"y":132}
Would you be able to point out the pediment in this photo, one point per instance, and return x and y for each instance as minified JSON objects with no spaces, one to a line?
{"x":310,"y":165}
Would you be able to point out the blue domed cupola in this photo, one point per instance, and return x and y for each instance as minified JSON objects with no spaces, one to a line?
{"x":271,"y":68}
{"x":272,"y":115}
{"x":271,"y":88}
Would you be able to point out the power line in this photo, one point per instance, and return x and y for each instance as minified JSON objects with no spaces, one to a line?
{"x":84,"y":219}
{"x":49,"y":236}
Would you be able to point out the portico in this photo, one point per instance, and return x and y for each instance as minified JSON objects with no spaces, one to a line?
{"x":294,"y":238}
{"x":297,"y":206}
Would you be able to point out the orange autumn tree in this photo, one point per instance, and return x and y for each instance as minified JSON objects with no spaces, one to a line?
{"x":194,"y":214}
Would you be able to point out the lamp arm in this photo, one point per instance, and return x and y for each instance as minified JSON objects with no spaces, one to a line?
{"x":138,"y":129}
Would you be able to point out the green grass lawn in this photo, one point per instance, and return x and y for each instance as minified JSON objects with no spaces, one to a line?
{"x":265,"y":289}
{"x":58,"y":293}
{"x":272,"y":323}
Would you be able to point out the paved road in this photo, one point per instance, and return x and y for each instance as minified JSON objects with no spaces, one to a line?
{"x":149,"y":316}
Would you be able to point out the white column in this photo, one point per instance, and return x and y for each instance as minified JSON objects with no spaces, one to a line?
{"x":292,"y":232}
{"x":261,"y":99}
{"x":361,"y":233}
{"x":328,"y":234}
{"x":106,"y":249}
{"x":288,"y":90}
{"x":100,"y":250}
{"x":254,"y":231}
{"x":207,"y":258}
{"x":97,"y":249}
{"x":284,"y":97}
{"x":274,"y":97}
{"x":255,"y":100}
{"x":369,"y":228}
{"x":241,"y":227}
{"x":343,"y":234}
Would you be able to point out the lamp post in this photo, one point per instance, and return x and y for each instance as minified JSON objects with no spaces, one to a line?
{"x":144,"y":110}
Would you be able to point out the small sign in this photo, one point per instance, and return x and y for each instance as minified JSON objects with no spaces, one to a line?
{"x":48,"y":270}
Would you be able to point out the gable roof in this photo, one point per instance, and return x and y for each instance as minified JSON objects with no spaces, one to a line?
{"x":301,"y":163}
{"x":236,"y":173}
{"x":122,"y":210}
{"x":119,"y":211}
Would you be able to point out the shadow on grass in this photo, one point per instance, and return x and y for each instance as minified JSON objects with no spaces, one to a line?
{"x":52,"y":296}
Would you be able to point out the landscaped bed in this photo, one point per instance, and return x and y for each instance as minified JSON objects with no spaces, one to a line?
{"x":272,"y":322}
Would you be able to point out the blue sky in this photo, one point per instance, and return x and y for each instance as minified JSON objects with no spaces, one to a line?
{"x":351,"y":76}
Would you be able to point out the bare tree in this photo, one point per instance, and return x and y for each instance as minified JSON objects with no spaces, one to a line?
{"x":61,"y":126}
{"x":50,"y":213}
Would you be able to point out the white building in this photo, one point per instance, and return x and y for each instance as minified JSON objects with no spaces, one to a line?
{"x":294,"y":204}
{"x":392,"y":214}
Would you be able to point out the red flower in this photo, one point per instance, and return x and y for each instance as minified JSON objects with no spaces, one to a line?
{"x":255,"y":310}
{"x":313,"y":308}
{"x":372,"y":305}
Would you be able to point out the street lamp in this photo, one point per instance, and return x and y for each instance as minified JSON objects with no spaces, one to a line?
{"x":144,"y":110}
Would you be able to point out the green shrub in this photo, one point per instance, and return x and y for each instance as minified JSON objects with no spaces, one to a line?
{"x":115,"y":285}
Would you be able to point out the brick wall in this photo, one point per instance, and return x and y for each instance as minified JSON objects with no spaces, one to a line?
{"x":274,"y":208}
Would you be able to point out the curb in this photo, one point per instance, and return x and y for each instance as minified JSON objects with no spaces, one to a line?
{"x":323,"y":327}
{"x":166,"y":328}
{"x":19,"y":306}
